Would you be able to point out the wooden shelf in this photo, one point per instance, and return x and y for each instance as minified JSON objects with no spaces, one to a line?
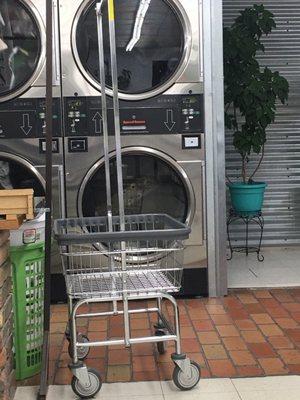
{"x":16,"y":206}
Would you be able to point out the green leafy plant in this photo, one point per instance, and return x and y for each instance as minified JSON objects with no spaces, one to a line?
{"x":251,"y":92}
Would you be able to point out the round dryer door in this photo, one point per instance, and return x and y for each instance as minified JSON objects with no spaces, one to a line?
{"x":153,"y":183}
{"x":153,"y":45}
{"x":17,"y":173}
{"x":21,"y":44}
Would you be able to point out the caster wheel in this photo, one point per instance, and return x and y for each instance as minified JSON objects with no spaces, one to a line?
{"x":184,"y":381}
{"x":161,"y":347}
{"x":90,"y":391}
{"x":67,"y":332}
{"x":82,"y":352}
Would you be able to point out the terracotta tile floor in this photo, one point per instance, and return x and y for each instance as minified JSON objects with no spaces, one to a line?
{"x":249,"y":333}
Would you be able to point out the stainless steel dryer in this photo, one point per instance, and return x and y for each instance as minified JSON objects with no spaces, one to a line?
{"x":163,"y":166}
{"x":158,"y":37}
{"x":22,"y":151}
{"x":162,"y":117}
{"x":23,"y":162}
{"x":22,"y":101}
{"x":23,"y":48}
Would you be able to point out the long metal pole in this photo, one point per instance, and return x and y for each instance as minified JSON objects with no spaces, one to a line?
{"x":114,"y":73}
{"x":104,"y":111}
{"x":99,"y":14}
{"x":48,"y":227}
{"x":115,"y":86}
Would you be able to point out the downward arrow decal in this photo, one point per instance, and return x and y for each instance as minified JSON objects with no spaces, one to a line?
{"x":26,"y":127}
{"x":170,"y":123}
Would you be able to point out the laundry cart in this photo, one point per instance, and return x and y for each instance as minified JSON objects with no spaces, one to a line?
{"x":121,"y":258}
{"x":144,"y":261}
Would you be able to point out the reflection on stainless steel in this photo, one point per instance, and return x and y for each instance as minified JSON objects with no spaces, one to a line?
{"x":22,"y":46}
{"x":153,"y":182}
{"x":138,"y":25}
{"x":17,"y":173}
{"x":162,"y":52}
{"x":81,"y":169}
{"x":3,"y":46}
{"x":158,"y":54}
{"x":27,"y":170}
{"x":19,"y":32}
{"x":5,"y":182}
{"x":150,"y":185}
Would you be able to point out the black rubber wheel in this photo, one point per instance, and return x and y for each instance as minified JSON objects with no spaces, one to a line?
{"x":90,"y":391}
{"x":67,"y":332}
{"x":161,"y":347}
{"x":82,"y":352}
{"x":184,"y":382}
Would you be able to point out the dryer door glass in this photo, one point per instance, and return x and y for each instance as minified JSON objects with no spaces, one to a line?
{"x":15,"y":175}
{"x":20,"y":46}
{"x":150,"y":44}
{"x":151,"y":185}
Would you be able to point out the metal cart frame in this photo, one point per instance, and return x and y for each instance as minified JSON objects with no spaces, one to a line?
{"x":95,"y":260}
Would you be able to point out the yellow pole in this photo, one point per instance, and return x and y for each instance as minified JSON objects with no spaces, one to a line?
{"x":111,"y":10}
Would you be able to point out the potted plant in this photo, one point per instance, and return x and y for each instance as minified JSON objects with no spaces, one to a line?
{"x":251,"y":96}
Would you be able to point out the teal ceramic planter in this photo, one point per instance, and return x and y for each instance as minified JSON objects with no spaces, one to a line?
{"x":247,"y":198}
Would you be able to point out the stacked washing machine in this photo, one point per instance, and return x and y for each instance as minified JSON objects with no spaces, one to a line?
{"x":22,"y":100}
{"x":162,"y":117}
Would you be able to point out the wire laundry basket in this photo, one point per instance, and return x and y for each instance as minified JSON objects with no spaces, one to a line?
{"x":92,"y":255}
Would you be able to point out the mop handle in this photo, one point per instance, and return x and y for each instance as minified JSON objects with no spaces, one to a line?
{"x":104,"y":112}
{"x":116,"y":106}
{"x":114,"y":70}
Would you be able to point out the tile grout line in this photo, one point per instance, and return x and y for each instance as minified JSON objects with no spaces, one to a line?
{"x":57,"y":361}
{"x":162,"y":391}
{"x":257,"y":325}
{"x":228,"y":352}
{"x":196,"y":336}
{"x":241,"y":330}
{"x":222,"y":338}
{"x":259,"y":329}
{"x":267,"y":338}
{"x":265,"y":308}
{"x":233,"y":323}
{"x":238,"y":393}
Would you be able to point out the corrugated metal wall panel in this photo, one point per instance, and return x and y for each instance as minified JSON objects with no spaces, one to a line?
{"x":281,"y":167}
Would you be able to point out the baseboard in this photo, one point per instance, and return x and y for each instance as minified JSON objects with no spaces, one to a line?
{"x":194,"y":282}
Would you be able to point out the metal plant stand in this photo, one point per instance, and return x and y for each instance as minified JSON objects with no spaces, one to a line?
{"x":257,"y":219}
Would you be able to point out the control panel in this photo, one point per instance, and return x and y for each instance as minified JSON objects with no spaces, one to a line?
{"x":160,"y":115}
{"x":26,"y":119}
{"x":76,"y":116}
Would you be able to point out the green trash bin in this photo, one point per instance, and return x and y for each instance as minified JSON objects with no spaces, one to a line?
{"x":28,"y":297}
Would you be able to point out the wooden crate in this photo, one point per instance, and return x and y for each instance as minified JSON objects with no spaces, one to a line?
{"x":16,"y":205}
